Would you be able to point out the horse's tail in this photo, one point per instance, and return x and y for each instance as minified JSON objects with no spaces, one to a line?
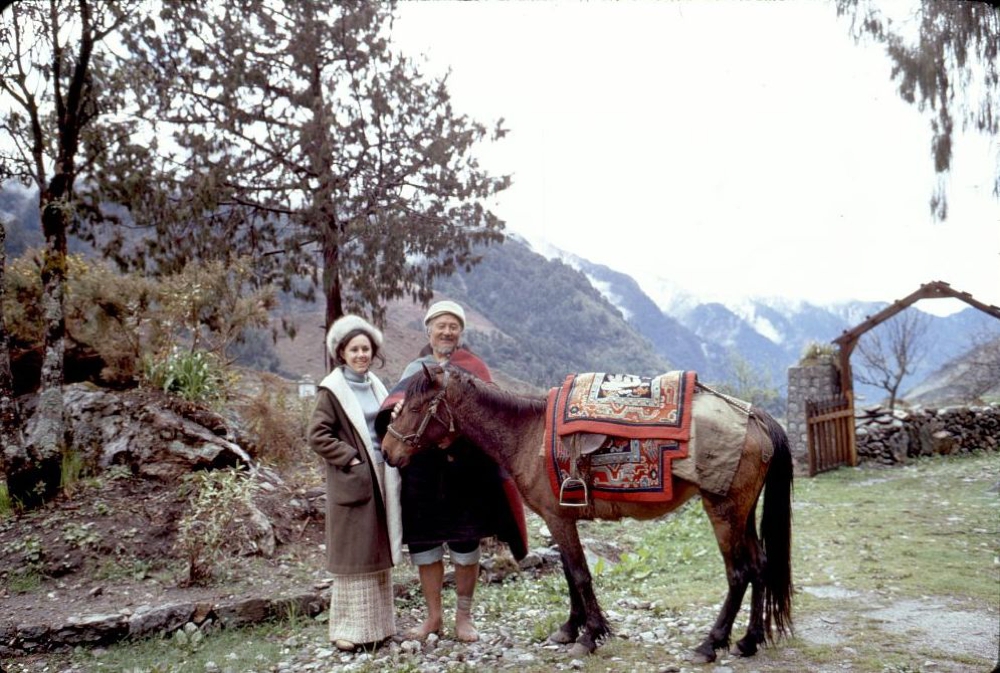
{"x":776,"y":532}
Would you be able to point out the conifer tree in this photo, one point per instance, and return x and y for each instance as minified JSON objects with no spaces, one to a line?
{"x":298,"y":136}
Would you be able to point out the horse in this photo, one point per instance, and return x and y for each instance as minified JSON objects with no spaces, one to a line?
{"x":444,"y":403}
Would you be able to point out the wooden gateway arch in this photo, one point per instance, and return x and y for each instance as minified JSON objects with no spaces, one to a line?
{"x":830,"y":423}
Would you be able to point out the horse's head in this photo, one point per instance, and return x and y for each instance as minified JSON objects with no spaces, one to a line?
{"x":424,"y":421}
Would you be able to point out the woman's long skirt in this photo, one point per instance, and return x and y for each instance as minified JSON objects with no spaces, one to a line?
{"x":361,"y":607}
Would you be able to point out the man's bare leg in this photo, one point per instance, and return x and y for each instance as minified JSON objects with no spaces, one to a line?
{"x":431,"y":580}
{"x":465,"y":586}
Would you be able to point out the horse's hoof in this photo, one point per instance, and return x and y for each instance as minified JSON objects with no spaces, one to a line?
{"x":561,"y":637}
{"x":579,"y":650}
{"x":742,"y":649}
{"x":701,"y":658}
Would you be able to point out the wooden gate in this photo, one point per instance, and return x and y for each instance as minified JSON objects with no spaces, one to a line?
{"x":830,"y":428}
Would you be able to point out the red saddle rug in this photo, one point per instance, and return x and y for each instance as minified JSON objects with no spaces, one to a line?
{"x":648,"y":421}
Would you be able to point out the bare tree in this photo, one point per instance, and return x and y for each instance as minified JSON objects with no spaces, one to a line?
{"x":892,"y":351}
{"x":982,"y":376}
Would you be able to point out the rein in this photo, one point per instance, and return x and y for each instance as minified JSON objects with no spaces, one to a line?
{"x":412,"y":440}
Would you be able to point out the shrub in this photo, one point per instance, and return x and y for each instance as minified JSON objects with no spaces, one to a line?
{"x":196,"y":376}
{"x":122,"y":317}
{"x":71,"y":470}
{"x":816,"y":353}
{"x":220,"y":503}
{"x":6,"y":503}
{"x":276,"y":421}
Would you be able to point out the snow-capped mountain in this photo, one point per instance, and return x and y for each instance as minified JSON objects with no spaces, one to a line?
{"x":769,"y":333}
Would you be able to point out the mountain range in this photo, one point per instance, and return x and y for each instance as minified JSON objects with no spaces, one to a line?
{"x":537,"y":315}
{"x":556,"y":313}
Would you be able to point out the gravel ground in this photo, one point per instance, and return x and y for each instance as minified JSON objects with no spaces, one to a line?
{"x":510,"y":645}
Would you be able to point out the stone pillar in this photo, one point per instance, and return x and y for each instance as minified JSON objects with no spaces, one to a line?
{"x":810,"y":382}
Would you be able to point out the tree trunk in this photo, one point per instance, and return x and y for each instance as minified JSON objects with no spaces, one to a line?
{"x":331,"y":288}
{"x":46,"y":429}
{"x":12,"y":450}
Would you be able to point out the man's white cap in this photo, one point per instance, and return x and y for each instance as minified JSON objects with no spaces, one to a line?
{"x":442,"y":307}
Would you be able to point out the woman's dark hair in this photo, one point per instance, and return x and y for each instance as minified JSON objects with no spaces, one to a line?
{"x":339,"y":351}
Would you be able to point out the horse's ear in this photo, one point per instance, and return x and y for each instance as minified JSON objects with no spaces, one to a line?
{"x":427,"y":372}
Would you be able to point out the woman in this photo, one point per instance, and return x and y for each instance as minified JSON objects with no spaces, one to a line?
{"x":363,"y":528}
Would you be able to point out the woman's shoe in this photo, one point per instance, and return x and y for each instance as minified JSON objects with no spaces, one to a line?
{"x":345,"y":645}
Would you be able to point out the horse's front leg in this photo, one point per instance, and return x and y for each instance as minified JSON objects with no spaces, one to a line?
{"x":585,"y":611}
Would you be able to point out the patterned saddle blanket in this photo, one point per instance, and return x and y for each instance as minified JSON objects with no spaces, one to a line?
{"x":613,"y":436}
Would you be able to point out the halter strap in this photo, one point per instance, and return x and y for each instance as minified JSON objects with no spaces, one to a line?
{"x":413,"y":439}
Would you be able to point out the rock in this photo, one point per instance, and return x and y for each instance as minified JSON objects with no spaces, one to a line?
{"x":244,"y":611}
{"x":261,"y":532}
{"x":148,"y":620}
{"x":201,"y":613}
{"x":141,"y":429}
{"x":90,"y":630}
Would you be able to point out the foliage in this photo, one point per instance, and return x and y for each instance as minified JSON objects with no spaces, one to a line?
{"x":209,"y":303}
{"x":72,"y":469}
{"x":11,"y":436}
{"x":749,"y":383}
{"x":951,"y":68}
{"x":819,"y":353}
{"x":225,"y":650}
{"x":6,"y":503}
{"x":126,"y":317}
{"x":31,"y":551}
{"x":196,"y":376}
{"x":276,"y":422}
{"x":81,"y":535}
{"x":220,"y":503}
{"x":302,"y":140}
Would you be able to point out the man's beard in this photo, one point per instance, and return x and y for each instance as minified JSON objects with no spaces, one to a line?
{"x":444,"y":351}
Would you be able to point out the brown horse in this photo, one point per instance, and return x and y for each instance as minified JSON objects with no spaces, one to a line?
{"x":446,"y":403}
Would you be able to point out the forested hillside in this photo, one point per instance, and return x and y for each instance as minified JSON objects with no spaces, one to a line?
{"x":550,"y":321}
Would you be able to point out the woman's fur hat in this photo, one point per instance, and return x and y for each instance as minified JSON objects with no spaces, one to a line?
{"x":346,"y":324}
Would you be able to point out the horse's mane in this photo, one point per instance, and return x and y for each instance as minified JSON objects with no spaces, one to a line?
{"x":492,"y":397}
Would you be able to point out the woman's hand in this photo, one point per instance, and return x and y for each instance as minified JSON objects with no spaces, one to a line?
{"x":396,"y":409}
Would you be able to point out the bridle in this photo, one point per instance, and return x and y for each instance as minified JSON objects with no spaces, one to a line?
{"x":413,"y":440}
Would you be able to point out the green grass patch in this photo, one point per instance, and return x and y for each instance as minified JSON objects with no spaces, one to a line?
{"x":926,"y":531}
{"x":250,"y":649}
{"x":6,"y":502}
{"x":927,"y":528}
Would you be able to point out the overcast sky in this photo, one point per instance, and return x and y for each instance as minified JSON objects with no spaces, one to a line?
{"x":732,"y":148}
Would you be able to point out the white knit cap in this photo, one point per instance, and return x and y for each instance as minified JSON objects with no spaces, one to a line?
{"x":445,"y":306}
{"x":346,"y":324}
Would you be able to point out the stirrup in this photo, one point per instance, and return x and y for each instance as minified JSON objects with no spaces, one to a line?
{"x":572,"y":482}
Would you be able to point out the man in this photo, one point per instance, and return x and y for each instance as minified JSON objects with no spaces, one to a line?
{"x":452,"y":496}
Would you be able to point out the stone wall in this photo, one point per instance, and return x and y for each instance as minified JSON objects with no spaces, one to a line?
{"x":894,"y":437}
{"x":811,"y":382}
